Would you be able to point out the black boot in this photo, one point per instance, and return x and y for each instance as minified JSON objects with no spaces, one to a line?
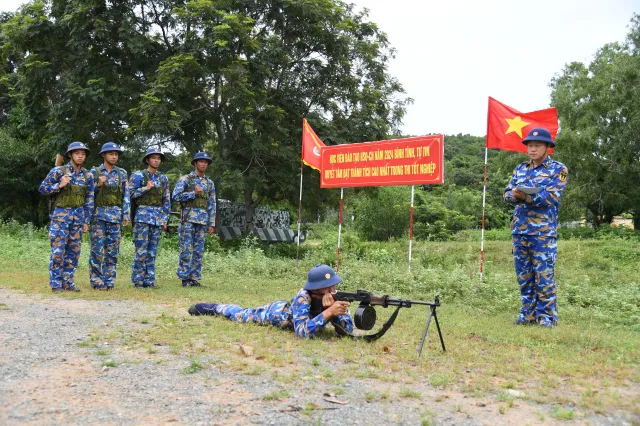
{"x":203,"y":309}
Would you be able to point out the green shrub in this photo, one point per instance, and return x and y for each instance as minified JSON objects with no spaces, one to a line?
{"x":384,"y":217}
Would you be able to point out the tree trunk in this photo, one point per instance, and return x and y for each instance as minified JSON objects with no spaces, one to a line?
{"x":636,"y":220}
{"x":608,"y":218}
{"x":249,"y":207}
{"x":216,"y":183}
{"x":35,"y":204}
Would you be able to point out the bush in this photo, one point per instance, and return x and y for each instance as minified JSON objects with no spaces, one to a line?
{"x":603,"y":232}
{"x":284,"y":250}
{"x":385,"y":217}
{"x":27,"y":230}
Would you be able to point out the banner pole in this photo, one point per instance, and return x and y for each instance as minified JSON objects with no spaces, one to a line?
{"x":299,"y":217}
{"x":484,"y":199}
{"x":411,"y":225}
{"x":340,"y":227}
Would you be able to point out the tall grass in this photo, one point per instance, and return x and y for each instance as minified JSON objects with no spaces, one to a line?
{"x":596,"y":346}
{"x":597,"y":279}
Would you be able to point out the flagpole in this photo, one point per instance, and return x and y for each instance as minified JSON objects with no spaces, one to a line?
{"x":299,"y":216}
{"x":340,"y":227}
{"x":411,"y":226}
{"x":484,"y":198}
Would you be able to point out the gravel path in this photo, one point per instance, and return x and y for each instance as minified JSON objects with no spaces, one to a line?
{"x":48,"y":375}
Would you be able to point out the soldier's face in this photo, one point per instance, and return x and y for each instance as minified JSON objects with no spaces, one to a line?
{"x":154,"y":160}
{"x":111,"y":157}
{"x":202,"y":165}
{"x":537,"y":150}
{"x":78,"y":156}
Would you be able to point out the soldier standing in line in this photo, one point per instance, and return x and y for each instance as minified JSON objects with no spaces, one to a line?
{"x":534,"y":228}
{"x":149,"y":191}
{"x":71,"y":190}
{"x":112,"y":208}
{"x":197,"y":196}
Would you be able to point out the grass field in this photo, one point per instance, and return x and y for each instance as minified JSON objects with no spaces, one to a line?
{"x":589,"y":363}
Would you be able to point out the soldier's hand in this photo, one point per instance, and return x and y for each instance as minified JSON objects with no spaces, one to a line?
{"x":519,"y":194}
{"x":211,"y":230}
{"x":126,"y":222}
{"x":164,"y":227}
{"x":198,"y":189}
{"x":338,"y":308}
{"x":102,"y":180}
{"x":327,"y":300}
{"x":85,"y":228}
{"x":150,"y":184}
{"x":64,"y":181}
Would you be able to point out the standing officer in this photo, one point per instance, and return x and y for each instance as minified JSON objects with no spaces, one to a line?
{"x":197,"y":196}
{"x":71,"y":191}
{"x":112,"y":208}
{"x":150,"y":192}
{"x":309,"y":312}
{"x":534,"y":225}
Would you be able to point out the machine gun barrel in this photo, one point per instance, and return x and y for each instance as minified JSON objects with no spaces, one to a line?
{"x":405,"y":303}
{"x":368,"y":298}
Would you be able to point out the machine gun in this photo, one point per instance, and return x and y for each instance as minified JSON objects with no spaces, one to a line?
{"x":365,"y":317}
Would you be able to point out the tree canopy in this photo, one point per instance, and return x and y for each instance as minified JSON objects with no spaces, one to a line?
{"x":234,"y":76}
{"x":599,"y":111}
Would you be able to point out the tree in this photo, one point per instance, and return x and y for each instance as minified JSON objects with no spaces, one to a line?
{"x":75,"y":68}
{"x":247,"y":72}
{"x":21,"y":171}
{"x":599,"y":111}
{"x":236,"y":76}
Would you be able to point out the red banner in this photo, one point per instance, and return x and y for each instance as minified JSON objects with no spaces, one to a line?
{"x":410,"y":161}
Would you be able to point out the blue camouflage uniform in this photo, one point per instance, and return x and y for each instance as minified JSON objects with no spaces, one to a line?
{"x":534,"y":230}
{"x":148,"y":223}
{"x":106,"y":229}
{"x":283,"y":314}
{"x":65,"y":227}
{"x":194,"y":223}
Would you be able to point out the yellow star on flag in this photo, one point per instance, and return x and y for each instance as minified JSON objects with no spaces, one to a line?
{"x":515,"y":125}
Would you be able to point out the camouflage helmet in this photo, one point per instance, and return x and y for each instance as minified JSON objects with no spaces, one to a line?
{"x":153,"y":150}
{"x":321,"y":276}
{"x":201,"y":156}
{"x":73,"y":146}
{"x":539,"y":134}
{"x":110,"y":146}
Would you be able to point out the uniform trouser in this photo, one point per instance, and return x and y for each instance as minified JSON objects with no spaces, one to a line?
{"x":535,"y":259}
{"x":145,"y":238}
{"x":105,"y":246}
{"x":66,"y":239}
{"x":275,"y":313}
{"x":192,"y":236}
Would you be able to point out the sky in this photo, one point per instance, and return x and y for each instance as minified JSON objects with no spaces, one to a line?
{"x":453,"y":54}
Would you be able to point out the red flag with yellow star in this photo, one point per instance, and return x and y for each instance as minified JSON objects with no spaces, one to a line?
{"x":311,"y":146}
{"x":506,"y":127}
